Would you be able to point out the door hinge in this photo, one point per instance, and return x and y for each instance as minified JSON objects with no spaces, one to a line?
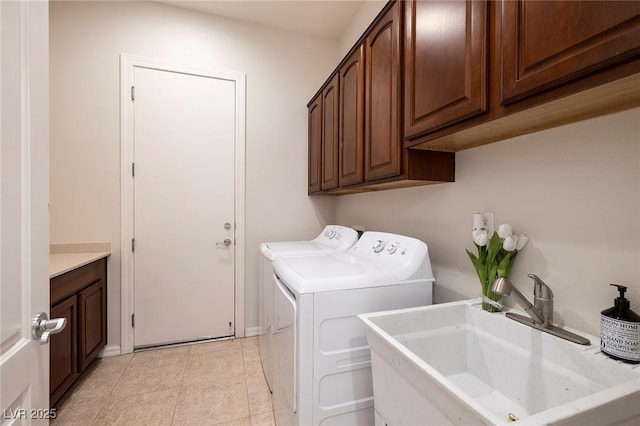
{"x":133,"y":244}
{"x":133,"y":320}
{"x":133,"y":169}
{"x":133,"y":93}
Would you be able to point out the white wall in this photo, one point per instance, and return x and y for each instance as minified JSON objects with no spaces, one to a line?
{"x":283,"y":72}
{"x":365,"y":16}
{"x":575,"y":190}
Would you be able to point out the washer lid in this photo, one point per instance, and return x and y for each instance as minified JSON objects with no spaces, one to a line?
{"x":377,"y":259}
{"x":332,"y":272}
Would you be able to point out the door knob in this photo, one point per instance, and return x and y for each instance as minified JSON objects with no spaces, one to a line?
{"x":226,"y":242}
{"x":42,"y":327}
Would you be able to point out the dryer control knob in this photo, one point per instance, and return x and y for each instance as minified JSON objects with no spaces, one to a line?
{"x":331,"y":234}
{"x":392,"y":248}
{"x":378,"y":246}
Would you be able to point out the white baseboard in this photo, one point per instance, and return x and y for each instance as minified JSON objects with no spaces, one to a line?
{"x":112,"y":350}
{"x":252,"y":331}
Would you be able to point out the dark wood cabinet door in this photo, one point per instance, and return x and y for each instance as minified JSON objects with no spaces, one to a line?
{"x":315,"y":144}
{"x":383,"y":150}
{"x":547,"y":43}
{"x":92,"y":322}
{"x":445,"y":56}
{"x":63,"y":368}
{"x":351,"y":120}
{"x":330,"y":130}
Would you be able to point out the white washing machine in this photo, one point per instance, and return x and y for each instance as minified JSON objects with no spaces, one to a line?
{"x":333,"y":238}
{"x":322,"y":363}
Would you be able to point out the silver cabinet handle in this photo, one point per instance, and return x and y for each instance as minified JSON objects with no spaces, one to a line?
{"x":226,"y":242}
{"x":42,"y":327}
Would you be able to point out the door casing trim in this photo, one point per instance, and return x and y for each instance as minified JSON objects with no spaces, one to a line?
{"x":127,"y":64}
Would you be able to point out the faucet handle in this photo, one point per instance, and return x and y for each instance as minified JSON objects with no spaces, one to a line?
{"x":540,"y":289}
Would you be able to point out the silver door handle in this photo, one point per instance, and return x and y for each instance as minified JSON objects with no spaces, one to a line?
{"x":42,"y":327}
{"x":226,"y":242}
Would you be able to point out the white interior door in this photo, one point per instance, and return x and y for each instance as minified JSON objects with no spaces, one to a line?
{"x":184,"y":132}
{"x":24,"y":214}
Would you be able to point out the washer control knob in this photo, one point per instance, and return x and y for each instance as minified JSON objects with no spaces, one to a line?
{"x":392,"y":248}
{"x":331,"y":234}
{"x":338,"y":235}
{"x":378,"y":246}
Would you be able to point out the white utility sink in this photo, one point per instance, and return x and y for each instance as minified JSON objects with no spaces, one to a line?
{"x":454,"y":363}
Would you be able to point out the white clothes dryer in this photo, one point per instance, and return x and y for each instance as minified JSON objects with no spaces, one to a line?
{"x":333,"y":238}
{"x":322,"y":362}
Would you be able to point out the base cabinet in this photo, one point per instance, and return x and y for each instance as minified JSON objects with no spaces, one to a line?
{"x":80,"y":296}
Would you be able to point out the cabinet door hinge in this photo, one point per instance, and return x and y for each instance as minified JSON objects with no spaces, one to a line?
{"x":133,"y":320}
{"x":133,"y":93}
{"x":133,"y":244}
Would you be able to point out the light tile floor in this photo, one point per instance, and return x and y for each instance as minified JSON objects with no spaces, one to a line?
{"x":214,"y":383}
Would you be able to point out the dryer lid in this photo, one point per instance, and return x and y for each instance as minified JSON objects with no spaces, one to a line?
{"x":332,"y":238}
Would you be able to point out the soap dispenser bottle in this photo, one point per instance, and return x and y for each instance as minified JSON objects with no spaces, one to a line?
{"x":620,"y":330}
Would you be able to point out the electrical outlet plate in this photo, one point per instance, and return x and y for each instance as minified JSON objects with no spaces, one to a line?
{"x":484,"y":220}
{"x":488,"y":217}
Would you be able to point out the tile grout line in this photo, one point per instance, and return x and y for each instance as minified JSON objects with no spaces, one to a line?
{"x":175,"y":407}
{"x":246,"y":386}
{"x":95,"y":417}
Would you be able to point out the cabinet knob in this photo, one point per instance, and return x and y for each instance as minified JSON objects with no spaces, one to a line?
{"x":42,"y":327}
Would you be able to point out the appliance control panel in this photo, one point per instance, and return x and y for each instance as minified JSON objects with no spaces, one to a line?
{"x":337,"y":236}
{"x":392,"y":252}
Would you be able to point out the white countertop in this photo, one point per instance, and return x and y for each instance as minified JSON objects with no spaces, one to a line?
{"x":69,"y":256}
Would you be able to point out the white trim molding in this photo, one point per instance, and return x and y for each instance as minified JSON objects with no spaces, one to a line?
{"x":111,"y":350}
{"x":127,"y":65}
{"x":253,"y":331}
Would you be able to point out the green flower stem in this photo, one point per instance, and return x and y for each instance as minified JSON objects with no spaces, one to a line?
{"x":491,"y":262}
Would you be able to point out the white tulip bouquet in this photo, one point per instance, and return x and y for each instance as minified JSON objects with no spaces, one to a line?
{"x":495,"y":259}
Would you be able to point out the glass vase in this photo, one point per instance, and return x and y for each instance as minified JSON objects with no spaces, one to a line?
{"x":490,"y":300}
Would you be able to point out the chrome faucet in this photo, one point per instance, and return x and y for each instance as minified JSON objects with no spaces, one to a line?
{"x":541,"y":311}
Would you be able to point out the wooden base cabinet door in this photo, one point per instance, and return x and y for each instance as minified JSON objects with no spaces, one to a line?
{"x":92,"y":323}
{"x":63,"y":369}
{"x":445,"y":56}
{"x":547,"y":43}
{"x":383,"y":141}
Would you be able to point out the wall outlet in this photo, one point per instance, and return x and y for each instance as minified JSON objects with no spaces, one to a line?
{"x":484,"y":220}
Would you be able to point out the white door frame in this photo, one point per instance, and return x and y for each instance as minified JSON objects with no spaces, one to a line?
{"x":127,"y":64}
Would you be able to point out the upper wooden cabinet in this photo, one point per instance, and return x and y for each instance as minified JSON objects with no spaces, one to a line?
{"x":445,"y":63}
{"x":315,"y":144}
{"x":547,"y":43}
{"x":366,"y":119}
{"x":351,"y":110}
{"x":330,"y":132}
{"x":550,"y":63}
{"x":383,"y":135}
